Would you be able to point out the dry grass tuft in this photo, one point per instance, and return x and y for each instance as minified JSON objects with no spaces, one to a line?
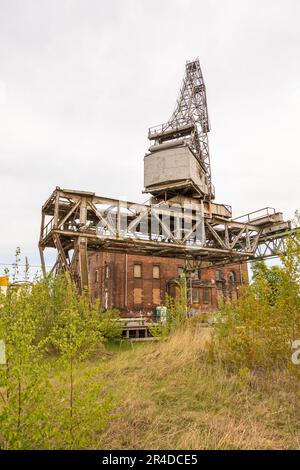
{"x":170,"y":397}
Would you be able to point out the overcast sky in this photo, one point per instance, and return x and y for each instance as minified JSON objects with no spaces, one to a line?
{"x":82,"y":80}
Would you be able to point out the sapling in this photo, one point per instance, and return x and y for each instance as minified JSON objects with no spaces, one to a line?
{"x":76,"y":335}
{"x":23,"y":378}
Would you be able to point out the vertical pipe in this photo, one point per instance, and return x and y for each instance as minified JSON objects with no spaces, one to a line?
{"x":42,"y":261}
{"x":126,"y":280}
{"x":119,"y":220}
{"x":82,"y":245}
{"x":241,"y":280}
{"x":241,"y":274}
{"x":56,"y":210}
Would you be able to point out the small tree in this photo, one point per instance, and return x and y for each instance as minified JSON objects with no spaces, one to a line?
{"x":36,"y":320}
{"x":272,"y":276}
{"x":258,"y":331}
{"x":76,"y":334}
{"x":23,"y":411}
{"x":176,"y":312}
{"x":177,"y":307}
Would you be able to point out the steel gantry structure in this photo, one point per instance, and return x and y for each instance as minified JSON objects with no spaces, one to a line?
{"x":189,"y":122}
{"x":180,"y":221}
{"x":75,"y":222}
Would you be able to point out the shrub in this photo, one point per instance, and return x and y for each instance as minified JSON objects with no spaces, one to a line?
{"x":23,"y":380}
{"x":259,"y":330}
{"x":176,"y":313}
{"x":35,"y":320}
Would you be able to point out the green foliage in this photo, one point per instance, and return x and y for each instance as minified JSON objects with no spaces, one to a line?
{"x":76,"y":332}
{"x":76,"y":335}
{"x":159,"y":330}
{"x":258,"y":331}
{"x":176,"y":313}
{"x":272,"y":276}
{"x":177,"y":308}
{"x":23,"y":380}
{"x":111,"y":326}
{"x":36,"y":320}
{"x":82,"y":410}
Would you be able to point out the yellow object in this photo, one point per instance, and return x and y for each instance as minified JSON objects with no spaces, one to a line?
{"x":3,"y":280}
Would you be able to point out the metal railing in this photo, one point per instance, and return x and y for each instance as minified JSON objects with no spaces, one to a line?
{"x":48,"y":227}
{"x":259,"y":214}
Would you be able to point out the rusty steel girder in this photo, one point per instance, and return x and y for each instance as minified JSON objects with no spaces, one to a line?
{"x":75,"y":222}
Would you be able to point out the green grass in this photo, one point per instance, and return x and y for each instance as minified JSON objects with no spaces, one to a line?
{"x":169,"y":397}
{"x":122,"y":345}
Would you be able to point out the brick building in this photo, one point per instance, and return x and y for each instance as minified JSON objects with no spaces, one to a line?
{"x":138,"y":284}
{"x":130,"y":254}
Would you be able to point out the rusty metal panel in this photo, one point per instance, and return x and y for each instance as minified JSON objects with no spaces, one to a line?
{"x":173,"y":165}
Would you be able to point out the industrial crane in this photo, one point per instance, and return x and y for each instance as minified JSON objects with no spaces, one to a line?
{"x":189,"y":124}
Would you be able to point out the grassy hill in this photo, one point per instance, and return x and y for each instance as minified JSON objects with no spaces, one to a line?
{"x":175,"y":393}
{"x":168,"y":396}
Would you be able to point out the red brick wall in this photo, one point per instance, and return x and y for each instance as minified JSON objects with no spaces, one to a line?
{"x":111,"y":287}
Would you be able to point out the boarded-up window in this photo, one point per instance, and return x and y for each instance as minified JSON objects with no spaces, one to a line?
{"x":137,"y":296}
{"x":195,"y":295}
{"x":156,"y":296}
{"x":206,"y":295}
{"x":156,"y":272}
{"x":137,"y":270}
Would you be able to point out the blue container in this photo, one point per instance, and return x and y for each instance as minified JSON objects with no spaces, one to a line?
{"x":158,"y":313}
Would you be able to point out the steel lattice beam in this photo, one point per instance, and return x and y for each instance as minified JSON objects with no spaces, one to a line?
{"x":190,"y":119}
{"x":75,"y":222}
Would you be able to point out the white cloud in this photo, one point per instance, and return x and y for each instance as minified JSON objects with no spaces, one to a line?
{"x":85,"y":80}
{"x":3,"y":93}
